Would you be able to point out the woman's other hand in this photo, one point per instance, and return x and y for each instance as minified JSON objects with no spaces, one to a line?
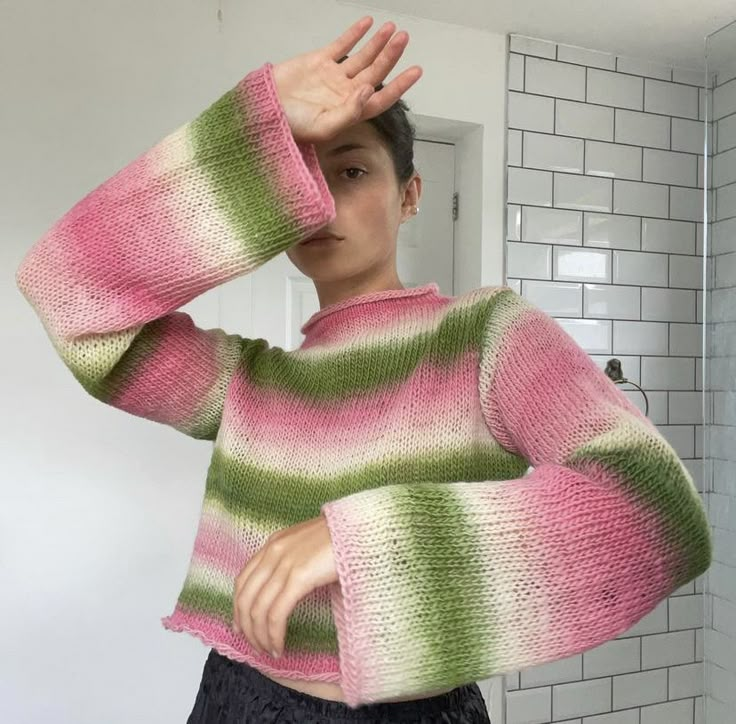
{"x":293,"y":562}
{"x":321,"y":97}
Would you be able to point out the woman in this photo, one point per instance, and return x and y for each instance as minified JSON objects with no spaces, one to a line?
{"x":369,"y":545}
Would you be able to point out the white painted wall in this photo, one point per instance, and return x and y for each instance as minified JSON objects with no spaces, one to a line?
{"x":98,"y":509}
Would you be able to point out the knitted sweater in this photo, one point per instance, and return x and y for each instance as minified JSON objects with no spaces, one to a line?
{"x":411,"y":419}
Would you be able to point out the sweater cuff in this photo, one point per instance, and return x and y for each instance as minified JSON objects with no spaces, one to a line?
{"x":292,"y":170}
{"x":376,"y":625}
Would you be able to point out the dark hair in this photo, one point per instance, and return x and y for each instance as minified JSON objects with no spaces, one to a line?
{"x":398,"y":134}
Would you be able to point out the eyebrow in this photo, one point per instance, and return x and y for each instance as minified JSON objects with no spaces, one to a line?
{"x":347,"y":147}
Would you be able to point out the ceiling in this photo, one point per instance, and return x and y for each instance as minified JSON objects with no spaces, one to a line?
{"x":668,"y":31}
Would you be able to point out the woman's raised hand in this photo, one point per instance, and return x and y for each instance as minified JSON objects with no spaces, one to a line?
{"x":322,"y":97}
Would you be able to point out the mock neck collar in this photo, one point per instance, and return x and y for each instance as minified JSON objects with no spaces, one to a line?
{"x":332,"y":312}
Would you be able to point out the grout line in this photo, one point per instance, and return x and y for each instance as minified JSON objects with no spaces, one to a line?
{"x":552,"y":134}
{"x":598,"y":177}
{"x":670,"y":131}
{"x":523,"y":137}
{"x":597,"y":282}
{"x":523,"y":77}
{"x":609,"y":70}
{"x":669,"y":116}
{"x":619,"y":214}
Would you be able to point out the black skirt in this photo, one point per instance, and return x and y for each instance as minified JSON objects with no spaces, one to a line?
{"x":232,"y":692}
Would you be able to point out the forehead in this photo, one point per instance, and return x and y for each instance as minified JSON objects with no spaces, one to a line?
{"x":360,"y":138}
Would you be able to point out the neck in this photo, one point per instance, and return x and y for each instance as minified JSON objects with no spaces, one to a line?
{"x":332,"y":292}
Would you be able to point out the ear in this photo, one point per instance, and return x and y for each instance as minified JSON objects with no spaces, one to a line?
{"x":410,"y":196}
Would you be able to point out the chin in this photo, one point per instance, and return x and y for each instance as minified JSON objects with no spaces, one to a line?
{"x":325,"y":272}
{"x":329,"y":278}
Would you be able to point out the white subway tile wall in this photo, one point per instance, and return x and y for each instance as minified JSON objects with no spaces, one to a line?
{"x":604,"y":233}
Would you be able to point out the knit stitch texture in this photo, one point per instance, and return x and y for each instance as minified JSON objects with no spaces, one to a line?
{"x":409,"y":418}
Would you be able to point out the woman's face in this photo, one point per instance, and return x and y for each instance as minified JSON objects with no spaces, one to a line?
{"x":369,"y":203}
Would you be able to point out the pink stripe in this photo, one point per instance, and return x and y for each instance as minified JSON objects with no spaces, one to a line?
{"x":96,"y":241}
{"x":182,"y":352}
{"x":269,"y":418}
{"x":114,"y":240}
{"x":220,"y":550}
{"x":576,"y":420}
{"x":311,"y":666}
{"x":220,"y":545}
{"x":583,"y":534}
{"x":343,"y":322}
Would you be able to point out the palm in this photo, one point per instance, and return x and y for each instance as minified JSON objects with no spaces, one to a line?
{"x":319,"y":86}
{"x":319,"y":95}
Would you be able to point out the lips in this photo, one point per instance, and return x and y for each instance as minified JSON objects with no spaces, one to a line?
{"x":319,"y":237}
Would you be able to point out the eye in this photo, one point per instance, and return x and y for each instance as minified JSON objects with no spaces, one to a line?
{"x":353,"y":168}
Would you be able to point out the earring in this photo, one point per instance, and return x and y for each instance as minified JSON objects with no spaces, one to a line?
{"x":416,"y":209}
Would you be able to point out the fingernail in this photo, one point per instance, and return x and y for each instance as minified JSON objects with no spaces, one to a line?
{"x":274,"y":653}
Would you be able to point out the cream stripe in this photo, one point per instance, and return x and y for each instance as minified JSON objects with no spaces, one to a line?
{"x":208,"y":234}
{"x":404,"y":329}
{"x":289,"y":455}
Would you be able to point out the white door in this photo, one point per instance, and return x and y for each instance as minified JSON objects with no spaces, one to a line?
{"x":275,"y":300}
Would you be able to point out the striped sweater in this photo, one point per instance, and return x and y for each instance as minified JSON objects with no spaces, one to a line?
{"x":494,"y":500}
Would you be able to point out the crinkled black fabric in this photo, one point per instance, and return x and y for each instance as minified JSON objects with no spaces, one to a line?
{"x":232,"y":692}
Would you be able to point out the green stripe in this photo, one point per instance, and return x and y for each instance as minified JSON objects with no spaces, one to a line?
{"x":363,"y":368}
{"x":509,"y":308}
{"x":229,"y":150}
{"x":649,"y":472}
{"x":301,"y":635}
{"x":128,"y":368}
{"x":357,"y":370}
{"x":655,"y":476}
{"x":245,"y":489}
{"x":450,"y":616}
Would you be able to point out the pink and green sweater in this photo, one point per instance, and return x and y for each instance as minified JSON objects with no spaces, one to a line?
{"x":409,"y":418}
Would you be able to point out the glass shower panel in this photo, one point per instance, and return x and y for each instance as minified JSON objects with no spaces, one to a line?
{"x":719,"y":374}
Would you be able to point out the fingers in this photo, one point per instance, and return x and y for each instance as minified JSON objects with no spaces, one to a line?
{"x":362,"y":59}
{"x":385,"y":61}
{"x":291,"y":565}
{"x":261,"y":617}
{"x":389,"y":94}
{"x":255,"y":613}
{"x":347,"y":41}
{"x":281,"y":608}
{"x":370,"y":66}
{"x":240,"y":582}
{"x":250,"y":586}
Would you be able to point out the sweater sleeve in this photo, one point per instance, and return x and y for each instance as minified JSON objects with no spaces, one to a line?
{"x":213,"y":200}
{"x":442,"y":584}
